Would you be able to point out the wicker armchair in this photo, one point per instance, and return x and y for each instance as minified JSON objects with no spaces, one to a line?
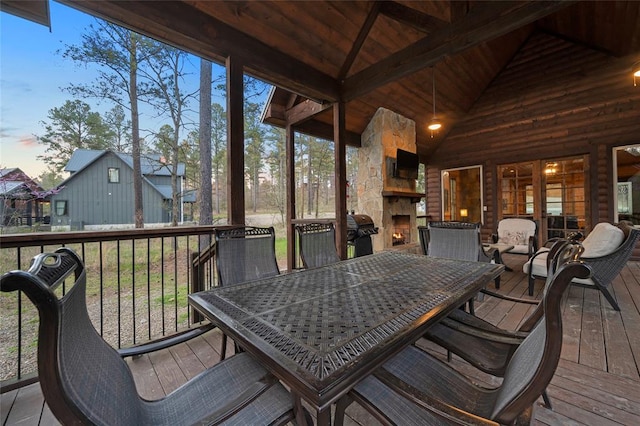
{"x":607,"y":250}
{"x":520,"y":233}
{"x":244,"y":253}
{"x":482,"y":344}
{"x":85,"y":381}
{"x":414,"y":388}
{"x":317,"y":244}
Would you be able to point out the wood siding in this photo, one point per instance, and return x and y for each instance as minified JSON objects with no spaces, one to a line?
{"x":92,"y":200}
{"x":555,"y":99}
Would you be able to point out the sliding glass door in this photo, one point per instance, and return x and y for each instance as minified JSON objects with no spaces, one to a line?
{"x":627,"y":183}
{"x":462,"y":194}
{"x":552,"y":192}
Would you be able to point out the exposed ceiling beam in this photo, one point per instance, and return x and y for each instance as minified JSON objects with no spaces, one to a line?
{"x":305,"y":110}
{"x":414,"y":18}
{"x":357,"y":44}
{"x":484,"y":22}
{"x":180,"y":23}
{"x":322,"y":130}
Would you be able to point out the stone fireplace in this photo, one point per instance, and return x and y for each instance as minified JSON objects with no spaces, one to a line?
{"x":401,"y":224}
{"x":390,"y":201}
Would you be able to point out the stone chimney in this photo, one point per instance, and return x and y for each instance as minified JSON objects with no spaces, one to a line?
{"x":388,"y":200}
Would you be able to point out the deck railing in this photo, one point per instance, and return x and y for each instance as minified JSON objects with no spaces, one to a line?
{"x":137,"y":286}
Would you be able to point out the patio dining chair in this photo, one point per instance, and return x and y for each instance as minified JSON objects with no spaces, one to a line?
{"x":86,"y":381}
{"x":456,"y":240}
{"x":244,"y":253}
{"x":415,"y":388}
{"x":317,"y":242}
{"x":486,"y":346}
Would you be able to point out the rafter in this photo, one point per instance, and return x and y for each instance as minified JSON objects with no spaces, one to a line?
{"x":215,"y":40}
{"x":484,"y":22}
{"x":414,"y":18}
{"x":304,"y":111}
{"x":357,"y":44}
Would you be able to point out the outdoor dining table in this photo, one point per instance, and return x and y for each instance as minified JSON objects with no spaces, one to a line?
{"x":322,"y":330}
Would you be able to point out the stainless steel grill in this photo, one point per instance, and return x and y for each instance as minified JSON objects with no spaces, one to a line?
{"x":360,"y":227}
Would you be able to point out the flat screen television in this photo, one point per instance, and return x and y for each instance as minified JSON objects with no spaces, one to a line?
{"x":406,"y":166}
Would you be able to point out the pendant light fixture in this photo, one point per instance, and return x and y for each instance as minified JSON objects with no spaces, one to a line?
{"x":434,"y":124}
{"x":636,"y":72}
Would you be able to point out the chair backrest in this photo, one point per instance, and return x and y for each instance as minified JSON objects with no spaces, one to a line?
{"x":534,"y":362}
{"x":83,"y":379}
{"x":454,"y":240}
{"x":245,"y":253}
{"x":317,"y":244}
{"x":423,"y":235}
{"x":518,"y":232}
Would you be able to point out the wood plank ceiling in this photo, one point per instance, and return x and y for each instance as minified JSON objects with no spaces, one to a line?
{"x":374,"y":54}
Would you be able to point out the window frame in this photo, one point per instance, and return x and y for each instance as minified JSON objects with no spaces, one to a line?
{"x":457,"y":214}
{"x":65,"y":207}
{"x":110,"y":176}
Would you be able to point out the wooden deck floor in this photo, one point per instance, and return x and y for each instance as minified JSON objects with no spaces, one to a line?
{"x":596,"y":383}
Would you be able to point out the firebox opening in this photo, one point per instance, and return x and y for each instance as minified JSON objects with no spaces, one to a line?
{"x":401,"y":230}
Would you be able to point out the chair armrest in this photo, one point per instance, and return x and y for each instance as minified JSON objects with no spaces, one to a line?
{"x":531,"y":259}
{"x":533,"y":245}
{"x":487,"y":254}
{"x":447,"y":413}
{"x":509,"y":298}
{"x":504,"y":336}
{"x":550,"y":242}
{"x":165,"y":342}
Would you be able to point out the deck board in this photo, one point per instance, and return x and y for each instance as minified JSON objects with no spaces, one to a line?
{"x":597,"y":380}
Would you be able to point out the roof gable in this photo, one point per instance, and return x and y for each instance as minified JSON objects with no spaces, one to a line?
{"x":151,"y":165}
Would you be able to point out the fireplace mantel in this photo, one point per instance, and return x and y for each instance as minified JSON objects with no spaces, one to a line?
{"x":396,"y":195}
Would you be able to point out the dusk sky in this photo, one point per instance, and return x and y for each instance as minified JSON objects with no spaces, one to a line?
{"x":32,"y":76}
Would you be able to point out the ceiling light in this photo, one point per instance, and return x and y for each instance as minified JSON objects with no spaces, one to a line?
{"x":636,"y":72}
{"x":551,"y":168}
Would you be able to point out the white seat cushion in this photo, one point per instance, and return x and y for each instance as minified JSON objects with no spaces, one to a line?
{"x":516,"y":232}
{"x":539,"y":265}
{"x":604,"y":239}
{"x":540,"y":268}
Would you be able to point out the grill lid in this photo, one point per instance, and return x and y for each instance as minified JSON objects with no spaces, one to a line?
{"x":355,"y":221}
{"x":359,"y":225}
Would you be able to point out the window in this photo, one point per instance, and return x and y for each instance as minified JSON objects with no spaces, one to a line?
{"x":516,"y":190}
{"x":61,"y":207}
{"x":564,"y":196}
{"x":113,"y":175}
{"x":626,"y":170}
{"x":462,"y":194}
{"x":553,"y":192}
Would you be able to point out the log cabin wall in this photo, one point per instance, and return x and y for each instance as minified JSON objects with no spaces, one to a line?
{"x":554,"y":99}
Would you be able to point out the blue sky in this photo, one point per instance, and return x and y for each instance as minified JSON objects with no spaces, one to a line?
{"x":32,"y":76}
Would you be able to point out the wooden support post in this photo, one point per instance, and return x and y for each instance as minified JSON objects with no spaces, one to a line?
{"x":235,"y":142}
{"x":290,"y":153}
{"x":339,"y":138}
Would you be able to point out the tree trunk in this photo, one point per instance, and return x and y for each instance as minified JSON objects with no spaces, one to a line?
{"x":205,"y":208}
{"x":135,"y":134}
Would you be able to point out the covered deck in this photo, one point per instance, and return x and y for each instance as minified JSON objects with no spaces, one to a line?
{"x":597,"y":381}
{"x":516,"y":81}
